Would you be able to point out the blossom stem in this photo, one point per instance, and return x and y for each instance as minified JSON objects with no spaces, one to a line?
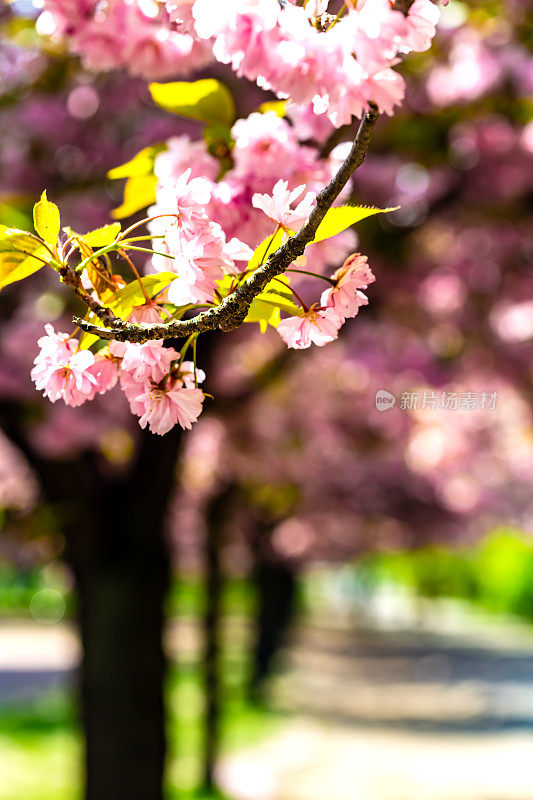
{"x":142,"y":238}
{"x":136,"y":273}
{"x":331,"y":281}
{"x":194,"y":360}
{"x":43,"y":244}
{"x":269,"y":243}
{"x":143,"y":222}
{"x":147,"y":250}
{"x":295,"y":293}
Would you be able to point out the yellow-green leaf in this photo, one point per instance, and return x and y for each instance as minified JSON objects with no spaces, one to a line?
{"x":102,"y":236}
{"x":264,"y":313}
{"x":265,"y":249}
{"x":15,"y":266}
{"x":86,"y":340}
{"x":15,"y":240}
{"x":20,"y":255}
{"x":141,"y":164}
{"x":46,"y":219}
{"x":278,"y":106}
{"x":125,"y":299}
{"x":139,"y":192}
{"x":206,"y":100}
{"x":339,"y":218}
{"x":274,"y":298}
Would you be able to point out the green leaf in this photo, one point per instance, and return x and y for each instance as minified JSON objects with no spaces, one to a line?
{"x":218,"y":135}
{"x":46,"y":219}
{"x":101,"y":237}
{"x":132,"y":295}
{"x":207,"y":100}
{"x":139,"y":192}
{"x":264,"y":313}
{"x":265,"y":249}
{"x":141,"y":164}
{"x":266,"y":307}
{"x":279,"y":106}
{"x":15,"y":240}
{"x":342,"y":217}
{"x":17,"y":251}
{"x":86,"y":340}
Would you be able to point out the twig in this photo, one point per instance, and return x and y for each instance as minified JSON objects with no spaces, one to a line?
{"x":233,"y":310}
{"x":403,"y":6}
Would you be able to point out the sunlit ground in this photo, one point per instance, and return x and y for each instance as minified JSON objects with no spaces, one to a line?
{"x":40,"y":745}
{"x":391,"y":697}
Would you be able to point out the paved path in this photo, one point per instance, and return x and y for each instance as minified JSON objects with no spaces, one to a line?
{"x":412,"y":715}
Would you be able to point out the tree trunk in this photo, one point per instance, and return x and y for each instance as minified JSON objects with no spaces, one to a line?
{"x":275,"y":584}
{"x":122,"y":587}
{"x":217,"y":518}
{"x":117,"y":549}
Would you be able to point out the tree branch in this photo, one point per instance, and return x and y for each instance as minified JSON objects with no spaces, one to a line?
{"x":403,"y":6}
{"x":233,"y":310}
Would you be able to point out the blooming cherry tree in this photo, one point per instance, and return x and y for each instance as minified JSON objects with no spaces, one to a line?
{"x":229,"y":217}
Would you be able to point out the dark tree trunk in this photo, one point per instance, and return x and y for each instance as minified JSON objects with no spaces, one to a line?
{"x":275,"y":584}
{"x":117,"y":549}
{"x":122,"y":585}
{"x":218,"y":515}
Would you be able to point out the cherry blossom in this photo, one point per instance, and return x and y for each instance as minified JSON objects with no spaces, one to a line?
{"x":150,"y":361}
{"x":345,"y":298}
{"x":315,"y":326}
{"x":277,"y":206}
{"x":61,"y":372}
{"x":163,"y":407}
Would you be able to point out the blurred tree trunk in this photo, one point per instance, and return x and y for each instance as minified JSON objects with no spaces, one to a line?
{"x":275,"y":583}
{"x":116,"y":547}
{"x":122,"y":568}
{"x":218,"y":516}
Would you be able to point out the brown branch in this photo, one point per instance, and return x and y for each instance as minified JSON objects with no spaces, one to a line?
{"x":403,"y":6}
{"x":233,"y":310}
{"x":71,"y":278}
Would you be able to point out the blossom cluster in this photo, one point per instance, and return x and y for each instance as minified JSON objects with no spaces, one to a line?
{"x":138,"y":34}
{"x":266,"y":149}
{"x":194,"y":247}
{"x":161,"y":389}
{"x":208,"y":223}
{"x":335,"y":64}
{"x":160,"y":386}
{"x":321,"y":323}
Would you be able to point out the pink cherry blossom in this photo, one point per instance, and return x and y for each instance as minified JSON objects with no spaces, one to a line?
{"x":105,"y":372}
{"x":133,"y":390}
{"x":149,"y":361}
{"x":278,"y":205}
{"x":187,"y":375}
{"x":316,"y":326}
{"x":148,"y":312}
{"x":61,"y":372}
{"x":139,"y":34}
{"x":345,"y":298}
{"x":421,"y":25}
{"x":163,"y":407}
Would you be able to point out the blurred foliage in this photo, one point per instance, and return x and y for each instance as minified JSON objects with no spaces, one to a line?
{"x":496,"y":574}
